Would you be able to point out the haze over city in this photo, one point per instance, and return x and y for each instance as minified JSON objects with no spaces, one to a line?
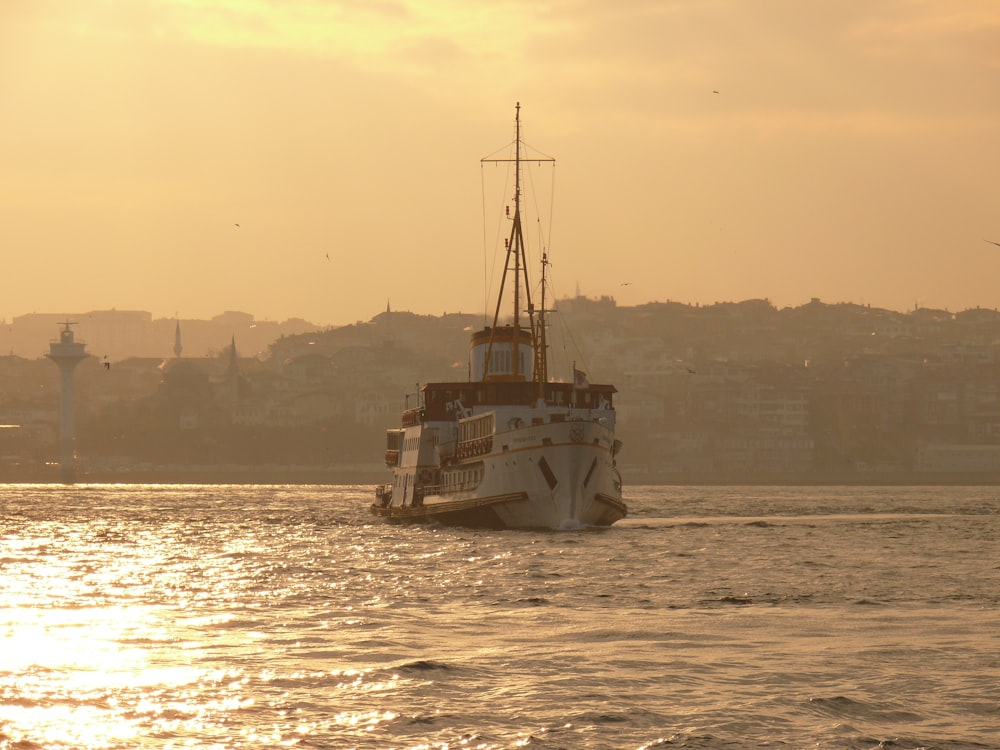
{"x":319,"y":159}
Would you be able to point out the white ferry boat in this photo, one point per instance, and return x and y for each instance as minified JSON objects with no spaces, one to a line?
{"x":509,"y":448}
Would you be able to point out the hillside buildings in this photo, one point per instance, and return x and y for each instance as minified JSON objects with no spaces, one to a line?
{"x":732,"y":392}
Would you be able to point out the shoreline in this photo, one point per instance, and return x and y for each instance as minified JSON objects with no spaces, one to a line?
{"x":271,"y":475}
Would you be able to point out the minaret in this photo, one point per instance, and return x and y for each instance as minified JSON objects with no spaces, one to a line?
{"x":177,"y":341}
{"x":233,"y":377}
{"x":67,"y":354}
{"x":388,"y":341}
{"x":233,"y":369}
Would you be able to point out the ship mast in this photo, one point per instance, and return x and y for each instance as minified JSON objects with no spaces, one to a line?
{"x":516,"y":263}
{"x":541,"y":368}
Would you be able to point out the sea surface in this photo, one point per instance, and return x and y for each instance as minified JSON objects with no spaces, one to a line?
{"x":156,"y":616}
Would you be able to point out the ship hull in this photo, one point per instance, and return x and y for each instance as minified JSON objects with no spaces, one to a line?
{"x":504,"y":512}
{"x":549,"y":476}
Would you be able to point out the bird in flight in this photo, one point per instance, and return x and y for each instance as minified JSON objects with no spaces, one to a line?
{"x":992,"y":242}
{"x":236,"y":225}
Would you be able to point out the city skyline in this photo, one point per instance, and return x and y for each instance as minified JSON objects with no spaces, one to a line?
{"x":315,"y":160}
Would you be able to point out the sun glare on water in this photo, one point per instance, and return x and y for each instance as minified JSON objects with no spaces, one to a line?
{"x":75,"y":669}
{"x":69,"y":677}
{"x":124,"y":634}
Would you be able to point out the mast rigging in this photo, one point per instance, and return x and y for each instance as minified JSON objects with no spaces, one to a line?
{"x":516,"y":263}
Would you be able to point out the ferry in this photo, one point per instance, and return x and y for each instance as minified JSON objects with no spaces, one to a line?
{"x":509,"y":448}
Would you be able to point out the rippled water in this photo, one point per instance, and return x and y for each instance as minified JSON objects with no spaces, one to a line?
{"x":232,"y":617}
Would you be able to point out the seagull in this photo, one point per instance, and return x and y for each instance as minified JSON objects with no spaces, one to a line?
{"x":992,"y":242}
{"x":328,"y":256}
{"x":236,"y":225}
{"x":715,"y":92}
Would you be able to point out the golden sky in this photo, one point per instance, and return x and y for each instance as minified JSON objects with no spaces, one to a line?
{"x":852,"y":152}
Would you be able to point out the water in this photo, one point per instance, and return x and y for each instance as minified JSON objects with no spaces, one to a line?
{"x":262,"y":617}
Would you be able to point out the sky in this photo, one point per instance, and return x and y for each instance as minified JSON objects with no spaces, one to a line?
{"x":320,"y":159}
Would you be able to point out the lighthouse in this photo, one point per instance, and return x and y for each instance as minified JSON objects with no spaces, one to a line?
{"x":67,"y":354}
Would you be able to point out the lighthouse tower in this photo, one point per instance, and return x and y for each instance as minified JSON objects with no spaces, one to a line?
{"x":67,"y":354}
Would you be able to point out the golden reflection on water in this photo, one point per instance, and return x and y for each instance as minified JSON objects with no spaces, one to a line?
{"x":75,"y":671}
{"x":86,"y":662}
{"x":241,"y":618}
{"x":68,"y":675}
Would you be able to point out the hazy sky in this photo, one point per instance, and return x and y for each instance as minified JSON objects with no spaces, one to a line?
{"x":852,"y":151}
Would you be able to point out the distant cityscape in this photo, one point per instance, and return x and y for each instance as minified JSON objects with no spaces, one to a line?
{"x":735,"y":393}
{"x":122,"y":334}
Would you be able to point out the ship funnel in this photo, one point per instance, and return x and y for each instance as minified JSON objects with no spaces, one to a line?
{"x":501,"y":354}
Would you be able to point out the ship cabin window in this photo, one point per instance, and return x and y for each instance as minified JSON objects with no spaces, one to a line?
{"x":501,"y":361}
{"x":479,"y":427}
{"x":435,"y":399}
